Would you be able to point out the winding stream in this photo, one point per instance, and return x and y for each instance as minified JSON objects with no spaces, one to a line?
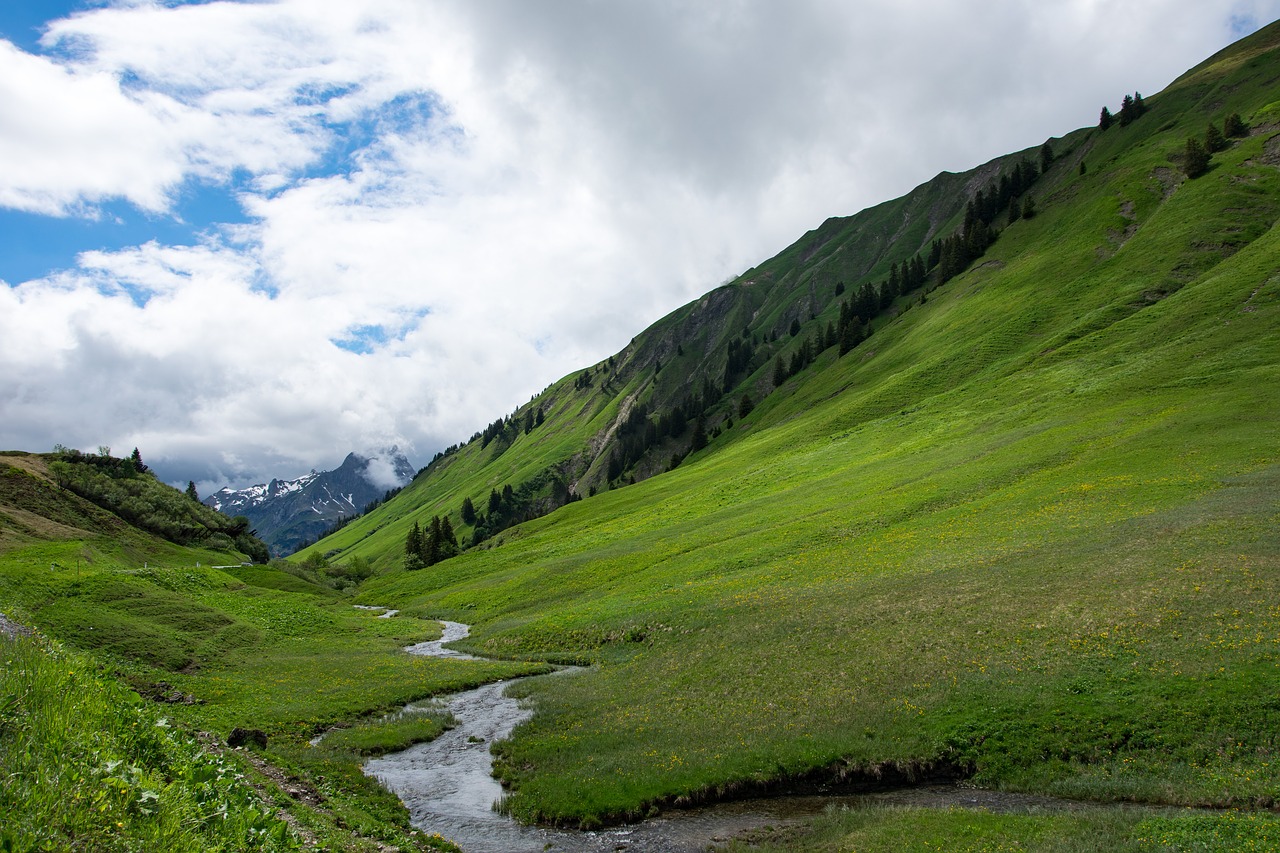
{"x":448,"y":788}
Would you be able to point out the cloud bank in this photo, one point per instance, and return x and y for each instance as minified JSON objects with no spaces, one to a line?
{"x":445,"y":206}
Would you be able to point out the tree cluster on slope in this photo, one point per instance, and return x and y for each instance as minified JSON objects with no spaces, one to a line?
{"x":127,"y":488}
{"x":1198,"y":153}
{"x":427,"y":547}
{"x":1132,"y":108}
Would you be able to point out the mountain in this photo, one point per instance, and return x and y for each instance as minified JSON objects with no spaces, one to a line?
{"x":288,"y":514}
{"x":978,"y":483}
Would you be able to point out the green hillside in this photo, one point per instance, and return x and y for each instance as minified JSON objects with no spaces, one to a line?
{"x":980,"y":484}
{"x":1023,"y":533}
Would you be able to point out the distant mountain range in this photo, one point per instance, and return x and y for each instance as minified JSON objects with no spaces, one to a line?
{"x":288,"y":514}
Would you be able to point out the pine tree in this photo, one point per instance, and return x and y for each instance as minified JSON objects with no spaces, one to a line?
{"x":413,"y":555}
{"x":1214,"y":141}
{"x":1234,"y":127}
{"x":432,"y":548}
{"x":1046,"y":157}
{"x":699,"y":439}
{"x":191,"y":491}
{"x":745,"y":405}
{"x":1028,"y":207}
{"x":1127,"y":112}
{"x":136,"y":459}
{"x":468,"y":511}
{"x":779,"y":372}
{"x":1105,"y":119}
{"x":851,"y":334}
{"x":1196,"y":159}
{"x":448,"y":539}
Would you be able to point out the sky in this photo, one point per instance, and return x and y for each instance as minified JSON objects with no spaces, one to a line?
{"x":248,"y":238}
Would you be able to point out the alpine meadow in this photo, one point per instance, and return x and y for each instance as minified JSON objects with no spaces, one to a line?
{"x":979,"y":486}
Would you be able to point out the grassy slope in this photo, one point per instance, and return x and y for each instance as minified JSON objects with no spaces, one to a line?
{"x":256,"y":646}
{"x":669,"y":361}
{"x":1026,"y":528}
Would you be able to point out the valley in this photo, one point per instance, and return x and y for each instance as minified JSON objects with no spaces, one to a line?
{"x":1020,"y":537}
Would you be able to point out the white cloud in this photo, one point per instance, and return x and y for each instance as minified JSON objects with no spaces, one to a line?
{"x":487,"y":195}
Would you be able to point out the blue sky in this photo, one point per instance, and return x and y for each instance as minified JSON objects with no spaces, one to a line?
{"x":249,"y":238}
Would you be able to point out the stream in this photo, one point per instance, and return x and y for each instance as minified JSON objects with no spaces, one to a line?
{"x":447,"y":786}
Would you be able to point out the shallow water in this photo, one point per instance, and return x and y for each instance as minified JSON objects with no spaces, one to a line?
{"x":447,"y":784}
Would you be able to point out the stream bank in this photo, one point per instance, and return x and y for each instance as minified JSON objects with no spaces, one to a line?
{"x":448,"y":787}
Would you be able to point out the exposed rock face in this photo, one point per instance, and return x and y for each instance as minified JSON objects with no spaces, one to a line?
{"x":289,"y":513}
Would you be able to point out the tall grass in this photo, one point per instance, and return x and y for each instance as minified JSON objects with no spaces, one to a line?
{"x":87,"y":766}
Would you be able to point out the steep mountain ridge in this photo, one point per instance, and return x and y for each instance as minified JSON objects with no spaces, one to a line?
{"x":288,"y":514}
{"x":680,"y":366}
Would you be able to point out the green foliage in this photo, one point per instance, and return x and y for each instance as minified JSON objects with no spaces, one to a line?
{"x":118,"y":486}
{"x":87,"y":766}
{"x":1234,"y":127}
{"x":1214,"y":141}
{"x":1195,"y":160}
{"x":392,"y":734}
{"x":888,"y":829}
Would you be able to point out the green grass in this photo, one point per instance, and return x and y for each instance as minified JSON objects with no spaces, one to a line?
{"x":88,"y":766}
{"x":394,"y":733}
{"x":882,"y":829}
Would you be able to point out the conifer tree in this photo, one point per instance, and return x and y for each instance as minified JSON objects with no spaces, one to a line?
{"x":1234,"y":127}
{"x":432,"y":547}
{"x":448,"y":539}
{"x":468,"y":511}
{"x":191,"y":491}
{"x":1127,"y":112}
{"x":1105,"y":119}
{"x":1196,"y":158}
{"x":851,"y":334}
{"x":1046,"y":157}
{"x":413,"y":555}
{"x":1214,"y":141}
{"x":699,"y":439}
